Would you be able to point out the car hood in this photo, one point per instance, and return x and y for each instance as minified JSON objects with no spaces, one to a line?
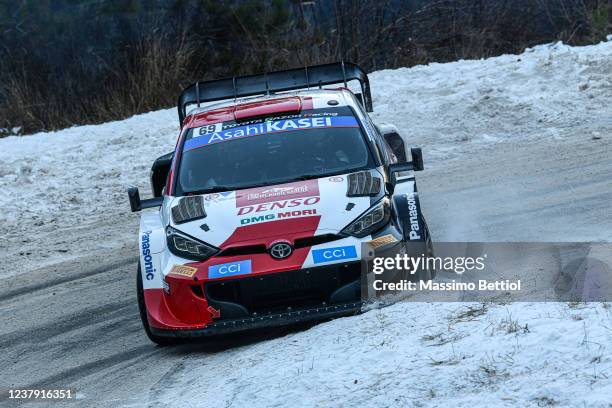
{"x":289,"y":211}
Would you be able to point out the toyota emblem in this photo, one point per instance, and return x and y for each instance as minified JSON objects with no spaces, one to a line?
{"x":280,"y":250}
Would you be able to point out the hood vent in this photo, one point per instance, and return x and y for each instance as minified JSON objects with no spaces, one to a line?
{"x":188,"y":209}
{"x":363,"y":184}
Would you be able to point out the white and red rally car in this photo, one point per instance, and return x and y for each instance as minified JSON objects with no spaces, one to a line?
{"x":266,"y":203}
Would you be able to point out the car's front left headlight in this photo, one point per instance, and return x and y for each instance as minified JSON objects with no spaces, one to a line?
{"x":372,"y":220}
{"x":183,"y":245}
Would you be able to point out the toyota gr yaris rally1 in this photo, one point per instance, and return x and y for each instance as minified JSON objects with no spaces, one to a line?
{"x":266,"y":203}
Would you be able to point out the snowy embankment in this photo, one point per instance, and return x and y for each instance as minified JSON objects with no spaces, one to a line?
{"x":64,"y":194}
{"x":414,"y":354}
{"x":55,"y":182}
{"x":551,"y":92}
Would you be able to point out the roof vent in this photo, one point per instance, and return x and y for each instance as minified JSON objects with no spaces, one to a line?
{"x":268,"y":107}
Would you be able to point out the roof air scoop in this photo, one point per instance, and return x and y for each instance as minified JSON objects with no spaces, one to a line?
{"x":268,"y":107}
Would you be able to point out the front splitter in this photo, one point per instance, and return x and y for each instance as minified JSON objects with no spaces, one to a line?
{"x":258,"y":322}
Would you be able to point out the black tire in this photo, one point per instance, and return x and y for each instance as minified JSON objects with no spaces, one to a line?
{"x":160,"y":341}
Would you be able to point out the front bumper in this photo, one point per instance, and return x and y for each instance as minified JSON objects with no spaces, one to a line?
{"x":201,"y":308}
{"x":258,"y":322}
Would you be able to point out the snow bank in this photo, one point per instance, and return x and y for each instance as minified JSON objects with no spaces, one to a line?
{"x":413,"y":354}
{"x":56,"y":182}
{"x":550,"y":92}
{"x":80,"y":171}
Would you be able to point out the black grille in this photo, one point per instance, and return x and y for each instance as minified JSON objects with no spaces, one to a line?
{"x":283,"y":291}
{"x":318,"y":240}
{"x":243,"y":250}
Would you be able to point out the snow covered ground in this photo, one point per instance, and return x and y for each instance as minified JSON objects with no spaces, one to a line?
{"x":551,"y":92}
{"x":55,"y":181}
{"x":414,"y":354}
{"x":64,"y":196}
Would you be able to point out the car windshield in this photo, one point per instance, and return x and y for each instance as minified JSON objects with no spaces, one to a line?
{"x":311,"y":144}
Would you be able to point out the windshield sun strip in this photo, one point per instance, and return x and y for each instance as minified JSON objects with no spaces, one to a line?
{"x":178,"y":191}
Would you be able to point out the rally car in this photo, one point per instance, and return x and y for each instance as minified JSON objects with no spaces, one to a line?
{"x":276,"y":185}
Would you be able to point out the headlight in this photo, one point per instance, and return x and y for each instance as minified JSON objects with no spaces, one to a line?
{"x":187,"y":247}
{"x":372,"y":220}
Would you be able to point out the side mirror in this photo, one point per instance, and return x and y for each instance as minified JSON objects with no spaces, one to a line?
{"x":136,"y":204}
{"x":415,"y":165}
{"x":417,"y":159}
{"x":395,"y":141}
{"x":159,"y":173}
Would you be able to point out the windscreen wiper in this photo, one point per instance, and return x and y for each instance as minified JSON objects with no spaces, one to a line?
{"x":218,"y":189}
{"x":215,"y":189}
{"x":309,"y":177}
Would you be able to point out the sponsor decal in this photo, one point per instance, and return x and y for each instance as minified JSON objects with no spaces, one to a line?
{"x":223,"y":195}
{"x":218,"y":197}
{"x":208,"y":129}
{"x":414,"y":216}
{"x":229,"y":269}
{"x":184,"y":270}
{"x":230,"y":125}
{"x":278,"y":216}
{"x":382,"y":241}
{"x":311,"y":114}
{"x":336,"y":179}
{"x":145,"y":247}
{"x":287,"y":200}
{"x":278,"y":205}
{"x":203,"y":135}
{"x":268,"y":194}
{"x":334,"y":254}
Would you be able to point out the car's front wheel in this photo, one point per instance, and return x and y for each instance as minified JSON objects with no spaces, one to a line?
{"x":162,"y":341}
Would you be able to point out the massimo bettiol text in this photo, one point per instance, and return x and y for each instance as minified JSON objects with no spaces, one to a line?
{"x":459,"y":265}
